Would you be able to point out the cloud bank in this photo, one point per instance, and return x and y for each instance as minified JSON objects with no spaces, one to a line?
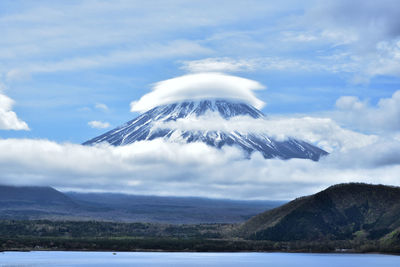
{"x":161,"y":168}
{"x":8,"y":118}
{"x":323,"y":132}
{"x":200,"y":86}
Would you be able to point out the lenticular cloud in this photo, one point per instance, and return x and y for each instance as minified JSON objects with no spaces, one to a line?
{"x":200,"y":86}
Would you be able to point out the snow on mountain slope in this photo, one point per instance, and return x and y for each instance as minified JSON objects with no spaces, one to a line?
{"x":143,"y":128}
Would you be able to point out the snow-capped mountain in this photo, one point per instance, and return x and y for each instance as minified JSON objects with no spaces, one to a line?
{"x":143,"y":128}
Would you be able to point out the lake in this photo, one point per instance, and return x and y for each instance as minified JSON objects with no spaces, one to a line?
{"x":66,"y":258}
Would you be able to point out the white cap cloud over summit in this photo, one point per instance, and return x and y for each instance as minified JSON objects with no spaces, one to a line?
{"x":200,"y":86}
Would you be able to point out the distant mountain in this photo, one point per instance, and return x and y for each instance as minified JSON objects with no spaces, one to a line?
{"x":32,"y":195}
{"x":142,"y":128}
{"x":47,"y":203}
{"x":26,"y":202}
{"x":341,"y":212}
{"x":128,"y":208}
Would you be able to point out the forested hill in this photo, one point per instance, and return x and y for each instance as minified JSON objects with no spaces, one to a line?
{"x":342,"y":212}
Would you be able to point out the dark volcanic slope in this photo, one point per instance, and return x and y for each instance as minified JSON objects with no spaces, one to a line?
{"x":344,"y":211}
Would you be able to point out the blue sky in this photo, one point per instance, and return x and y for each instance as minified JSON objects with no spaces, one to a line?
{"x":69,"y":71}
{"x":60,"y":59}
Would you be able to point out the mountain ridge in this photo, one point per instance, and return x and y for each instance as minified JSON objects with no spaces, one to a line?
{"x":38,"y":203}
{"x":141,"y":128}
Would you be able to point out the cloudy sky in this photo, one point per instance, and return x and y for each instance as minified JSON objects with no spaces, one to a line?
{"x":324,"y":71}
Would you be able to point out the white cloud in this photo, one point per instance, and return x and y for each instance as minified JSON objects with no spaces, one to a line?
{"x":37,"y":29}
{"x":8,"y":118}
{"x":387,"y":59}
{"x":372,"y":21}
{"x":359,"y":37}
{"x":256,"y":64}
{"x":111,"y":58}
{"x":382,"y":152}
{"x":160,"y":168}
{"x":101,"y":106}
{"x":98,"y":124}
{"x":324,"y":132}
{"x":335,"y":63}
{"x":293,"y":36}
{"x":367,"y":30}
{"x":62,"y":37}
{"x":200,"y":86}
{"x":17,"y":75}
{"x":218,"y":65}
{"x":384,"y":117}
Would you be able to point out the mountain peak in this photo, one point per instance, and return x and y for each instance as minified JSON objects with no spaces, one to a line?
{"x":225,"y":108}
{"x":143,"y":128}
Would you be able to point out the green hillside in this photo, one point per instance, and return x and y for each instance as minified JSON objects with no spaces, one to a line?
{"x":341,"y":212}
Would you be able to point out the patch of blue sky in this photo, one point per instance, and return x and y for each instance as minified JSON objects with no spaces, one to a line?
{"x":119,"y":51}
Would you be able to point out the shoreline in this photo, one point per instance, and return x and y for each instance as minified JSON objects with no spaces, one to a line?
{"x":193,"y":251}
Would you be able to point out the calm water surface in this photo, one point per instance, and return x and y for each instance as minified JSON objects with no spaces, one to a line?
{"x":61,"y":258}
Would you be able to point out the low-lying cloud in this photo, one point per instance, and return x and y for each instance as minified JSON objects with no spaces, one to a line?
{"x":323,"y":132}
{"x":161,"y":168}
{"x":200,"y":86}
